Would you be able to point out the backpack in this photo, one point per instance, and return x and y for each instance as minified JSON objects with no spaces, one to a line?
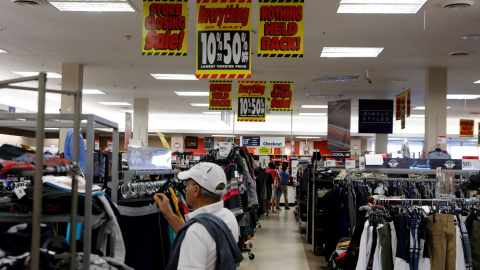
{"x":269,"y":179}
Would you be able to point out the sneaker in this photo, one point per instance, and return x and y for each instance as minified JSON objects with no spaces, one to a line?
{"x":278,"y":209}
{"x":287,"y":208}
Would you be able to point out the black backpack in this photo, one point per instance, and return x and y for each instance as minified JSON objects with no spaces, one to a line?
{"x":269,"y":179}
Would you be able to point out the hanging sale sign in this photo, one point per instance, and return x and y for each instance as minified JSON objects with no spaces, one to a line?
{"x":220,"y":95}
{"x":281,"y":96}
{"x":164,"y":30}
{"x":408,"y":95}
{"x":399,"y":105}
{"x":251,"y":101}
{"x":280,"y":28}
{"x":466,"y":127}
{"x":223,"y":39}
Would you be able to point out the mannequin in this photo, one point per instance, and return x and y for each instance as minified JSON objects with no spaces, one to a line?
{"x":405,"y":149}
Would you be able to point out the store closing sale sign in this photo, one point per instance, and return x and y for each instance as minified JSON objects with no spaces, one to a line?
{"x":223,"y":39}
{"x":164,"y":27}
{"x":251,"y":101}
{"x":220,"y":95}
{"x":281,"y":96}
{"x":466,"y":127}
{"x":280,"y":28}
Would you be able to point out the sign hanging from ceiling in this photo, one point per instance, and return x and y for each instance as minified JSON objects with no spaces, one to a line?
{"x":274,"y":142}
{"x":164,"y":30}
{"x":251,"y":101}
{"x":399,"y":105}
{"x":281,"y":96}
{"x":250,"y":141}
{"x":220,"y":95}
{"x":280,"y":28}
{"x":466,"y":127}
{"x":375,"y":116}
{"x":223,"y":39}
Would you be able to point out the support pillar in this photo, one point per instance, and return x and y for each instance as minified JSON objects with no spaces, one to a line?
{"x":381,"y":142}
{"x":72,"y":80}
{"x":140,"y":120}
{"x":435,"y":106}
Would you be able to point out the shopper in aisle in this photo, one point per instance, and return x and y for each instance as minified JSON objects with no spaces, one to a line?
{"x":284,"y":186}
{"x":209,"y":226}
{"x":276,"y":189}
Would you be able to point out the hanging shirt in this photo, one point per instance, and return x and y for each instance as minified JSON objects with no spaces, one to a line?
{"x":69,"y":148}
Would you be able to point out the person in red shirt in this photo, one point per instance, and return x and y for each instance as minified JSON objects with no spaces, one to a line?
{"x":277,"y":191}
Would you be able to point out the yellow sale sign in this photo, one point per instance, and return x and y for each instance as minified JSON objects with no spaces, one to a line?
{"x":264,"y":150}
{"x":281,"y":96}
{"x":220,"y":95}
{"x":251,"y":101}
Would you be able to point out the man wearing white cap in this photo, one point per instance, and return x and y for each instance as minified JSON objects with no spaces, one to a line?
{"x":208,"y":226}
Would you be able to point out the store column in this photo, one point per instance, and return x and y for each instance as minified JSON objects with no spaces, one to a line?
{"x":72,"y":80}
{"x":381,"y":143}
{"x":140,"y":120}
{"x":177,"y":138}
{"x":435,"y":106}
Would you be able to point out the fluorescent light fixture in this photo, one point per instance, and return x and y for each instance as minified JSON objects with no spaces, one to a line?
{"x":323,"y":95}
{"x":422,"y":108}
{"x":351,"y":51}
{"x":192,"y":94}
{"x":129,"y":111}
{"x":307,"y":137}
{"x":51,"y":128}
{"x":381,"y":6}
{"x":334,"y":78}
{"x":314,"y":106}
{"x":212,"y":113}
{"x":199,"y":104}
{"x":178,"y":77}
{"x":312,"y":114}
{"x":471,"y":37}
{"x":417,"y":115}
{"x":50,"y":75}
{"x":115,"y":103}
{"x":92,"y":92}
{"x":229,"y":135}
{"x":477,"y":81}
{"x":3,"y":51}
{"x":93,"y":5}
{"x":463,"y":96}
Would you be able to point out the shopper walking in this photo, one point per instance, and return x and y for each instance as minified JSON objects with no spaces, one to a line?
{"x":284,"y":186}
{"x":209,"y":238}
{"x":276,"y":189}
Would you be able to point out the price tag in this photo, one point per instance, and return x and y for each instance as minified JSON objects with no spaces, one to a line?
{"x":20,"y":192}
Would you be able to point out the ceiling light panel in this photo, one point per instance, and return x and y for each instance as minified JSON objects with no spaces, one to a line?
{"x":334,"y":78}
{"x":178,"y":77}
{"x":381,"y":6}
{"x":312,"y":114}
{"x":199,"y":104}
{"x":351,"y":51}
{"x":463,"y":96}
{"x":115,"y":103}
{"x":477,"y":81}
{"x":422,"y":108}
{"x":3,"y":51}
{"x":307,"y":137}
{"x":50,"y":75}
{"x":314,"y":106}
{"x":93,"y":5}
{"x":92,"y":92}
{"x":212,"y":113}
{"x":193,"y":94}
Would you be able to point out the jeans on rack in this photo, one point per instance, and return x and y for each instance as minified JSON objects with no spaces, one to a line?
{"x":441,"y":241}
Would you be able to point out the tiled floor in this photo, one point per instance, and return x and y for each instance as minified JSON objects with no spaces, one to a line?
{"x":277,"y":244}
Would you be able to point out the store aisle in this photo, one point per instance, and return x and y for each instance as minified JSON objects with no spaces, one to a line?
{"x":277,"y":244}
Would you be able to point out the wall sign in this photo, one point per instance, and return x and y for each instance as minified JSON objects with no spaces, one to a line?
{"x":466,"y":127}
{"x":220,"y":95}
{"x":281,"y":96}
{"x":208,"y":143}
{"x":223,"y":39}
{"x":274,"y":142}
{"x":375,"y":116}
{"x":251,"y":101}
{"x":264,"y":150}
{"x":250,"y":141}
{"x":191,"y":142}
{"x":280,"y":28}
{"x":164,"y":30}
{"x":224,"y":148}
{"x":338,"y":154}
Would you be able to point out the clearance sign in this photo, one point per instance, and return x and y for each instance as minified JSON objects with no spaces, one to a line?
{"x":281,"y":95}
{"x":223,"y":39}
{"x":466,"y":127}
{"x":164,"y":27}
{"x":251,"y":101}
{"x":220,"y":95}
{"x":280,"y":28}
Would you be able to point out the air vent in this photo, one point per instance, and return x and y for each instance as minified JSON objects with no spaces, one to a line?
{"x":460,"y":53}
{"x":334,"y":78}
{"x":27,"y":2}
{"x":474,"y":112}
{"x":457,"y":4}
{"x":323,"y":95}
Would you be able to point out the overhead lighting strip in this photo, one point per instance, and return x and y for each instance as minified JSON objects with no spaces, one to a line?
{"x":334,"y":78}
{"x":381,"y":6}
{"x":351,"y":51}
{"x":93,"y":5}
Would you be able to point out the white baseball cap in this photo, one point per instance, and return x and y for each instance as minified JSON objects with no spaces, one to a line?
{"x":207,"y":175}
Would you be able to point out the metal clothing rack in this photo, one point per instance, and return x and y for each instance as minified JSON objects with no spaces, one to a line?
{"x":40,"y":123}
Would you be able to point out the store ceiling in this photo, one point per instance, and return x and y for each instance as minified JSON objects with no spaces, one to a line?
{"x":42,"y":38}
